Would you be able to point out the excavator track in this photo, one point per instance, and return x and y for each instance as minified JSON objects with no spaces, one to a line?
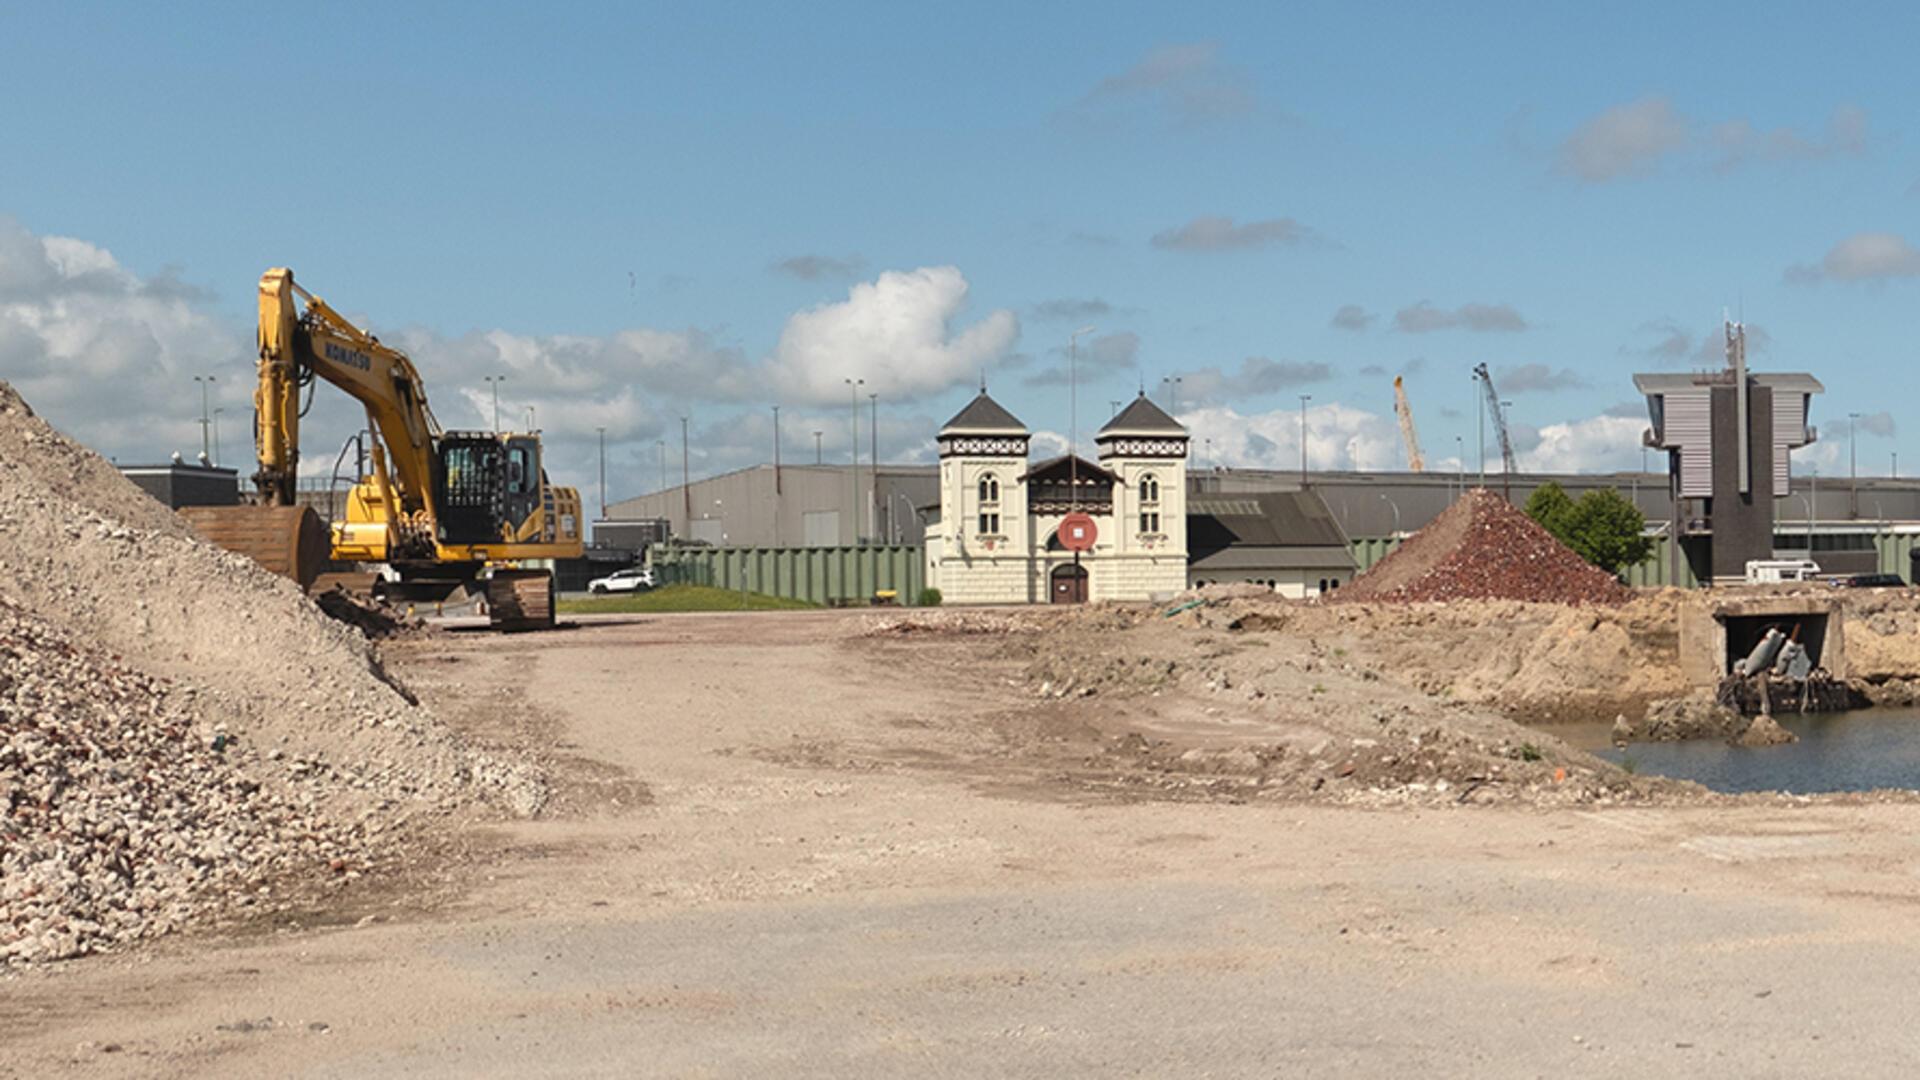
{"x":289,"y":540}
{"x":520,"y":600}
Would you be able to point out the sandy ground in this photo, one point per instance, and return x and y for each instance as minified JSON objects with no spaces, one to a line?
{"x":783,"y":850}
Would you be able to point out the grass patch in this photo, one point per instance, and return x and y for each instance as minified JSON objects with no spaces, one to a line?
{"x":679,"y":598}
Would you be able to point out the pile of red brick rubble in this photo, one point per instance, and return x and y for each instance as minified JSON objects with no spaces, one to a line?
{"x":1483,"y":548}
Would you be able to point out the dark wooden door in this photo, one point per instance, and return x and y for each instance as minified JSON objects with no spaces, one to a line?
{"x":1069,"y":584}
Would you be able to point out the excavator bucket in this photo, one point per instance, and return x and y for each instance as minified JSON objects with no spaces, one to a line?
{"x":288,"y":540}
{"x":520,"y":599}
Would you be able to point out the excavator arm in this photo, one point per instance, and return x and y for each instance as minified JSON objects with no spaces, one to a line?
{"x":296,"y":347}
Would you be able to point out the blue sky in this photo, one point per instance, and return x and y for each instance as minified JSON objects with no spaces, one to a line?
{"x":599,"y":201}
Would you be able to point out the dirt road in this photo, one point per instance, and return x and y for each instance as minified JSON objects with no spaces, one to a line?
{"x":781,"y":850}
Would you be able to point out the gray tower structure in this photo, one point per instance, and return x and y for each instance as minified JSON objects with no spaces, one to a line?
{"x":1727,"y":435}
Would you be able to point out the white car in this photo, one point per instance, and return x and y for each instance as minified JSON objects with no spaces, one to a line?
{"x":634,"y":579}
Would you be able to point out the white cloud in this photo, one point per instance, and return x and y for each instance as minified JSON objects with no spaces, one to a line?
{"x":1879,"y":423}
{"x":1213,"y":234}
{"x":818,"y":267}
{"x":1625,"y":140}
{"x":1867,"y":256}
{"x":1188,"y":82}
{"x":1257,"y":376}
{"x":1424,"y":318}
{"x":1338,"y":437}
{"x":1537,"y":378}
{"x":1596,"y":444}
{"x":897,"y":333}
{"x":1738,"y":142}
{"x":1632,"y":139}
{"x":1352,"y":317}
{"x":1105,"y":355}
{"x":110,"y":356}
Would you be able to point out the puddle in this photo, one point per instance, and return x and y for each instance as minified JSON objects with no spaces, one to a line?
{"x":1850,"y":751}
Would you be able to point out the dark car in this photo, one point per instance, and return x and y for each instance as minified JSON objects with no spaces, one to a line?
{"x":1874,"y":581}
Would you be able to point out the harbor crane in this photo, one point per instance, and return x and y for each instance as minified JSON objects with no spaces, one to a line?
{"x":1499,"y":425}
{"x":1416,"y":461}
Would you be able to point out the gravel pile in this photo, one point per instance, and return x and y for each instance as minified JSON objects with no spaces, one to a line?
{"x":1482,"y":548}
{"x":120,"y":816}
{"x":200,"y":640}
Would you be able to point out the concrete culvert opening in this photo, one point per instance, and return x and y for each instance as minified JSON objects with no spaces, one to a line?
{"x":1743,"y":632}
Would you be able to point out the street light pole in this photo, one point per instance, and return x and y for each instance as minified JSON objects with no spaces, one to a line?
{"x":853,"y":397}
{"x":216,"y":435}
{"x":1073,"y":416}
{"x":1853,"y":465}
{"x":776,"y":460}
{"x":686,"y":475}
{"x":873,"y":470}
{"x":817,"y":459}
{"x":603,"y":472}
{"x":1304,"y":398}
{"x":494,"y":381}
{"x":532,"y":425}
{"x":1813,"y":502}
{"x":206,"y":417}
{"x":1396,"y":512}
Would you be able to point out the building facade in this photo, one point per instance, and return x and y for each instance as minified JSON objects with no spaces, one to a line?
{"x":996,"y":539}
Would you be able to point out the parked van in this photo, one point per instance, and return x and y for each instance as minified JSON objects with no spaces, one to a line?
{"x":1775,"y":571}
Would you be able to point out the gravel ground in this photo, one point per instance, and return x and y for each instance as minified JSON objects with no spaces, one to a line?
{"x":798,"y":849}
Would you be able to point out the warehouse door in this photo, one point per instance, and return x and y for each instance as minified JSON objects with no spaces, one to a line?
{"x":1069,"y":584}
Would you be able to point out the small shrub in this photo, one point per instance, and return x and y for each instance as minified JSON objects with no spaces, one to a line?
{"x":1530,"y":752}
{"x":929,"y":597}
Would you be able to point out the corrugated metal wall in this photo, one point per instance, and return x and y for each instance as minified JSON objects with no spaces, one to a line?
{"x":1896,"y":553}
{"x":1689,"y":426}
{"x":1789,"y":429}
{"x":1370,"y":550}
{"x":819,"y":575}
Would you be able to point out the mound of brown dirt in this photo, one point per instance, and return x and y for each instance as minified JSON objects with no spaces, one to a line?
{"x":1482,"y":548}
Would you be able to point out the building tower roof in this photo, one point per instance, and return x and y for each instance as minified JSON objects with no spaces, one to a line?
{"x":984,"y":416}
{"x":1142,"y":417}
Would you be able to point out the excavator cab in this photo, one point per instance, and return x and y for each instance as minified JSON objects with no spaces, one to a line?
{"x":486,"y":487}
{"x":470,"y":487}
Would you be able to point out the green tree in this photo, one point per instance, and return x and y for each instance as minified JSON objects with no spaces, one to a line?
{"x":1550,"y":506}
{"x":1607,"y":530}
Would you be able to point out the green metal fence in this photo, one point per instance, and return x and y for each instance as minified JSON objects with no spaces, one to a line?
{"x":1368,"y":550}
{"x":819,"y":575}
{"x":1896,"y":553}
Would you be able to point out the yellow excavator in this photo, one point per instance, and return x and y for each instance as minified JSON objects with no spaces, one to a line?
{"x":440,"y":511}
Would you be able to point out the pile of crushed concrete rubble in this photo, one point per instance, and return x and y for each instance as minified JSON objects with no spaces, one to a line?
{"x":185,"y":737}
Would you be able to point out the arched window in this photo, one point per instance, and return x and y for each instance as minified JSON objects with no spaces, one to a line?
{"x":1149,"y":489}
{"x":989,"y":489}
